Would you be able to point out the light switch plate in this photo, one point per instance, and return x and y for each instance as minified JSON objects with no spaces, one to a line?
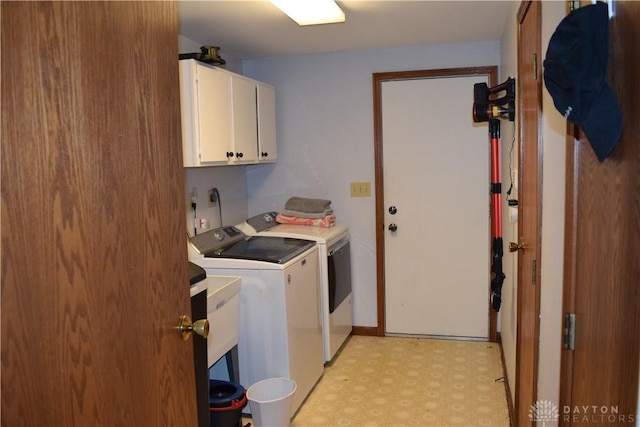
{"x":360,"y":189}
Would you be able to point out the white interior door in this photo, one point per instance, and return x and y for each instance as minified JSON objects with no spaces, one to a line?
{"x":436,"y":175}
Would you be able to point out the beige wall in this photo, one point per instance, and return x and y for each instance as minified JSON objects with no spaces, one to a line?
{"x":553,"y":128}
{"x":508,"y":312}
{"x":553,"y":194}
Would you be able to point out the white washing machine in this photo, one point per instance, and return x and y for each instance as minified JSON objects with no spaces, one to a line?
{"x":280,"y":326}
{"x":334,"y":259}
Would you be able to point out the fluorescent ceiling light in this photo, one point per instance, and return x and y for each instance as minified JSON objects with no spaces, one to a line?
{"x":311,"y":12}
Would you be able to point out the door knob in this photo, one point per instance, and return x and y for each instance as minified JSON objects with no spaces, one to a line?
{"x":393,"y":210}
{"x":393,"y":227}
{"x":520,"y":246}
{"x":200,"y":327}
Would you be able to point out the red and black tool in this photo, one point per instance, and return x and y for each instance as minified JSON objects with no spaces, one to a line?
{"x":488,"y":106}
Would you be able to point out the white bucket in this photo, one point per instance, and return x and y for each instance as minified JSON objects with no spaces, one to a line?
{"x":270,"y":401}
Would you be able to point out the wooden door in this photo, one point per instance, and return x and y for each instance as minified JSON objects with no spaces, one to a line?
{"x":94,"y":265}
{"x":529,"y":83}
{"x":602,"y":254}
{"x":427,"y":149}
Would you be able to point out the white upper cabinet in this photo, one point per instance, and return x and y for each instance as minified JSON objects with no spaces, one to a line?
{"x":266,"y":123}
{"x":205,"y":100}
{"x":245,"y":133}
{"x":227,"y":118}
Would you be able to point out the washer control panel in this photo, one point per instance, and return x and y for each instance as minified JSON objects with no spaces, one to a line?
{"x":216,"y":239}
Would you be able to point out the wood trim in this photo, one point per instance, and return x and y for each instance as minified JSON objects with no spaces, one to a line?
{"x":523,"y":9}
{"x":371,"y":331}
{"x":379,"y":192}
{"x":507,"y":387}
{"x":378,"y":79}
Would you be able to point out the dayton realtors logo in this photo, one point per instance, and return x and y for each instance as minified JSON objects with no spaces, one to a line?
{"x":597,"y":414}
{"x":545,"y":411}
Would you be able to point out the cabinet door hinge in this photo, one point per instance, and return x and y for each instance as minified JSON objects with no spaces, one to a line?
{"x":569,"y":331}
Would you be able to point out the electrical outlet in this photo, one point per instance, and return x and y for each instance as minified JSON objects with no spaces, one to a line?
{"x":211,"y":198}
{"x":360,"y":189}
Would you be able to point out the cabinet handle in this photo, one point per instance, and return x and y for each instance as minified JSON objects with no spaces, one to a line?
{"x":229,"y":154}
{"x":239,"y":155}
{"x":264,"y":154}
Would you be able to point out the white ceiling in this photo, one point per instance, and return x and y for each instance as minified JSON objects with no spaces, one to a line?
{"x":256,"y":29}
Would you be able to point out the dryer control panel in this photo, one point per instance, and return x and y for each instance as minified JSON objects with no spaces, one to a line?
{"x":263,"y":221}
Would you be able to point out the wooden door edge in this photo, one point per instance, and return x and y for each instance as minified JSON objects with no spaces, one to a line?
{"x":570,"y":260}
{"x":526,"y":375}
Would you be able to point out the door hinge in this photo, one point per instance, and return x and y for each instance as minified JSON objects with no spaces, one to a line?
{"x":569,"y":331}
{"x":535,"y":66}
{"x":533,"y":271}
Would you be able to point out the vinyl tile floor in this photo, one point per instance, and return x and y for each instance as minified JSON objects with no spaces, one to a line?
{"x":395,"y":381}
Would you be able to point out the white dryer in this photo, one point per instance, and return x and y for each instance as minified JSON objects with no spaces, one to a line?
{"x":279,"y":329}
{"x":334,"y":259}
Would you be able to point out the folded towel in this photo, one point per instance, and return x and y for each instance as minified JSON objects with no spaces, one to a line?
{"x":319,"y":215}
{"x":303,"y":204}
{"x":327,"y":221}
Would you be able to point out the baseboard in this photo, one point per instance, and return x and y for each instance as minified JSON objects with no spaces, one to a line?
{"x":507,"y":388}
{"x":371,"y":331}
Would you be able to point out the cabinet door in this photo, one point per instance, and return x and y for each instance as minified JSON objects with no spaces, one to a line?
{"x":213,"y":114}
{"x":266,"y":123}
{"x":245,"y":134}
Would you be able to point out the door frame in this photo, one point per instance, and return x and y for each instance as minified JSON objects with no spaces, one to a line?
{"x":378,"y":79}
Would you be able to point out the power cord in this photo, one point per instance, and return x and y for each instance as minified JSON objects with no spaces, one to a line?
{"x":195,"y":228}
{"x":215,"y":197}
{"x":511,"y":202}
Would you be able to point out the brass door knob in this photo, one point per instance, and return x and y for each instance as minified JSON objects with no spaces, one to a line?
{"x":200,"y":327}
{"x":520,"y":246}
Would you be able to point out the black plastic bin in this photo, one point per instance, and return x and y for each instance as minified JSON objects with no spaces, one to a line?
{"x":226,"y":400}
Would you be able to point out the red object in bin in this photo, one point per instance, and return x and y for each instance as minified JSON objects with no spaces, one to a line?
{"x":233,"y":404}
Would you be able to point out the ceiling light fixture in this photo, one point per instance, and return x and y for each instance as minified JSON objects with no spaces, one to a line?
{"x":311,"y":12}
